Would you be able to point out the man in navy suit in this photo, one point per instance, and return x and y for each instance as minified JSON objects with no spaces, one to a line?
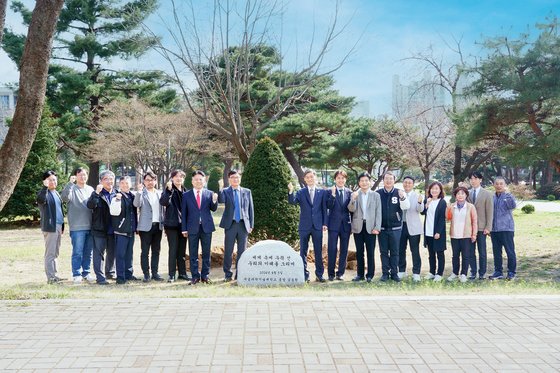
{"x":237,"y":220}
{"x":339,"y":225}
{"x":312,"y":203}
{"x":198,"y":224}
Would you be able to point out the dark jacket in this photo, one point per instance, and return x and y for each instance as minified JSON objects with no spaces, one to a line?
{"x":246,"y":207}
{"x":391,"y":210}
{"x":311,"y":215}
{"x":47,"y":208}
{"x":195,"y":218}
{"x":172,"y":201}
{"x":439,"y":225}
{"x":101,"y":218}
{"x":126,"y":221}
{"x":339,"y":216}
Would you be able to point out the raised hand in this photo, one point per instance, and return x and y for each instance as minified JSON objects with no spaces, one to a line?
{"x":73,"y":178}
{"x":401,"y":194}
{"x":290,"y":188}
{"x":169,"y":185}
{"x":118,"y":196}
{"x":221,"y":184}
{"x":420,"y":198}
{"x":333,"y":189}
{"x":98,"y":188}
{"x":214,"y":197}
{"x":46,"y":183}
{"x":140,"y":187}
{"x":354,"y":196}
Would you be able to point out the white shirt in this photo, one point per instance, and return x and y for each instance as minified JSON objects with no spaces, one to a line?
{"x":154,"y":202}
{"x":459,"y":220}
{"x":430,"y":217}
{"x":364,"y":201}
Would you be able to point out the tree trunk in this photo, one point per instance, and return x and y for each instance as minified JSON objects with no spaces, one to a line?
{"x":3,"y":6}
{"x":426,"y":178}
{"x":292,"y":160}
{"x":31,"y":97}
{"x":93,"y":178}
{"x":228,"y":162}
{"x":458,"y":154}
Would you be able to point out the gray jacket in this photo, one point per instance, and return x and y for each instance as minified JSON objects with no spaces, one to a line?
{"x":142,"y":202}
{"x":372,"y":215}
{"x":79,"y":215}
{"x":413,"y":223}
{"x":504,"y":204}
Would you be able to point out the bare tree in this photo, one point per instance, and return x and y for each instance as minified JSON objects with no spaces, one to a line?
{"x":450,"y":77}
{"x":31,"y":96}
{"x":148,"y":139}
{"x":427,"y":138}
{"x":225,"y":58}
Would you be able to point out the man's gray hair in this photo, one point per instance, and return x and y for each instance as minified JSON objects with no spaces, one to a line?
{"x":309,"y":171}
{"x":500,"y":178}
{"x":106,"y":173}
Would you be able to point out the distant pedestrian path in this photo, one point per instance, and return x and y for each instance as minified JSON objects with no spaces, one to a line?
{"x":361,"y":334}
{"x":542,"y":206}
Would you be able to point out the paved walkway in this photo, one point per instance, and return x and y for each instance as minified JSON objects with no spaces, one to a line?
{"x":407,"y":334}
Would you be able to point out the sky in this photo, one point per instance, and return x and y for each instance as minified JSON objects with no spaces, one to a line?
{"x":383,"y":33}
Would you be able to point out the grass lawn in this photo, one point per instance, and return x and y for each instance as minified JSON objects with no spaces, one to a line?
{"x":537,"y":240}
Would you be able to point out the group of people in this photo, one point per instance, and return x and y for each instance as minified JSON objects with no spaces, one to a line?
{"x":103,"y":223}
{"x":393,"y":216}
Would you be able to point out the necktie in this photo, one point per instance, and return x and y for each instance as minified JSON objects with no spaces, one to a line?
{"x":474,"y":196}
{"x":312,"y":194}
{"x":236,"y":209}
{"x":340,"y":197}
{"x":198,"y":199}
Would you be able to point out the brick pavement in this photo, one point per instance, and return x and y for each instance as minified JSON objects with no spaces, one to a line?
{"x":359,"y":334}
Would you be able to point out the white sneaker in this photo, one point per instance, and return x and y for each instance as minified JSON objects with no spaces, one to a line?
{"x":437,"y":278}
{"x":453,"y":277}
{"x":463,"y":278}
{"x":416,"y":278}
{"x":429,"y":276}
{"x":402,"y":275}
{"x":90,"y":278}
{"x":77,"y":279}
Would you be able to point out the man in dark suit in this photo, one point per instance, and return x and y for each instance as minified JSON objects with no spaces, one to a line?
{"x":339,"y":225}
{"x":198,"y":224}
{"x":237,"y":219}
{"x":312,"y":203}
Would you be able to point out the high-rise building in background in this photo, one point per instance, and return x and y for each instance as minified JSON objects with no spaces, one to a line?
{"x":360,"y":110}
{"x":8,"y":99}
{"x":417,"y":96}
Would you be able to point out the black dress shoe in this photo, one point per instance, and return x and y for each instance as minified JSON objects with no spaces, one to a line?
{"x":206,"y":280}
{"x":339,"y":278}
{"x":183,"y":277}
{"x":194,"y":281}
{"x":368,"y":279}
{"x":146,"y":278}
{"x":157,"y":277}
{"x":331,"y":278}
{"x":110,"y":277}
{"x":384,"y":278}
{"x":228,"y":279}
{"x":121,"y":281}
{"x":320,"y":279}
{"x":395,"y":278}
{"x":357,"y":279}
{"x":171,"y":279}
{"x":307,"y":280}
{"x":105,"y":282}
{"x":133,"y":278}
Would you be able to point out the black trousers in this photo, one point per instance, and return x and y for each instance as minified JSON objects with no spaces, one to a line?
{"x":177,"y":251}
{"x":414,"y":242}
{"x":461,"y":247}
{"x":151,"y":239}
{"x":432,"y":254}
{"x":237,"y":233}
{"x":389,"y":248}
{"x":364,"y":238}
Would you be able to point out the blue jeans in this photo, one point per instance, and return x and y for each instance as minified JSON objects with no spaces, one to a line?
{"x":123,"y":256}
{"x":504,"y":240}
{"x":82,"y":246}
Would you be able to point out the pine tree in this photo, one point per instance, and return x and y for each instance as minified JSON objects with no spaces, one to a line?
{"x":267,"y":174}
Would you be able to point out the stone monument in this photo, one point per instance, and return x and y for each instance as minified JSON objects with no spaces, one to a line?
{"x":269,"y":263}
